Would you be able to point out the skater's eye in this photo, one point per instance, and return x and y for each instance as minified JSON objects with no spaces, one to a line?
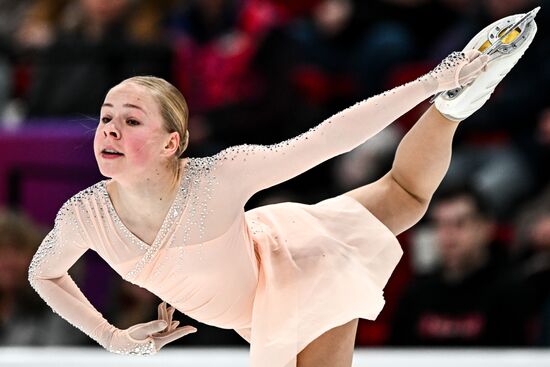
{"x":105,"y":119}
{"x":132,"y":122}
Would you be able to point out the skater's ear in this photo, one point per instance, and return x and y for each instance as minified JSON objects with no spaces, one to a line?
{"x":172,"y":144}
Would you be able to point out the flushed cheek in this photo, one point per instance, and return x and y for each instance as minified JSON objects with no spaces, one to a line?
{"x":139,"y":151}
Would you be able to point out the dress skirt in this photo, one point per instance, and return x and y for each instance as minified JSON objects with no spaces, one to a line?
{"x":320,"y":266}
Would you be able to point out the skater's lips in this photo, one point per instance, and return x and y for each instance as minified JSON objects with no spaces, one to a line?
{"x":110,"y":149}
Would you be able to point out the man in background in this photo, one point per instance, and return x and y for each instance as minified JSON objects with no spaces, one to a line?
{"x":472,"y":298}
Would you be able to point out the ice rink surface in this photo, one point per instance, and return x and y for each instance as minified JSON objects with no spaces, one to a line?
{"x":207,"y":357}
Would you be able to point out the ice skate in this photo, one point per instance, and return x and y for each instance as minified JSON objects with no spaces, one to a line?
{"x":504,"y":41}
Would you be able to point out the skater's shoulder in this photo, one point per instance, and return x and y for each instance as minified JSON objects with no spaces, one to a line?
{"x":83,"y":198}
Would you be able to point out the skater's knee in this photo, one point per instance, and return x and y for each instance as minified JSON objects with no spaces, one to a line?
{"x":388,"y":201}
{"x":422,"y":199}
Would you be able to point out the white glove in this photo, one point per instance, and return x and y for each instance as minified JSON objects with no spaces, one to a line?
{"x":458,"y":70}
{"x":148,"y":338}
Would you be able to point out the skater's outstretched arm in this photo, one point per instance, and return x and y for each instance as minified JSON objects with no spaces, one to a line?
{"x":48,"y":275}
{"x":257,"y":167}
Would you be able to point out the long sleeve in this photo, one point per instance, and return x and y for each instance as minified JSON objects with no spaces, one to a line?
{"x":257,"y":167}
{"x":61,"y":248}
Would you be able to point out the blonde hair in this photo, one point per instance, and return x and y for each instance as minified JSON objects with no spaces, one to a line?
{"x":173,"y":109}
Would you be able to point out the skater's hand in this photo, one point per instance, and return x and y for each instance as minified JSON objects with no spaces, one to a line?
{"x":458,"y":70}
{"x":172,"y":332}
{"x":148,"y":338}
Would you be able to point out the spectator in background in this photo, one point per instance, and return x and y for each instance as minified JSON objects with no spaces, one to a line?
{"x":215,"y":44}
{"x":213,"y":54}
{"x":11,"y":14}
{"x":37,"y":27}
{"x":24,"y":319}
{"x":406,"y":19}
{"x":34,"y":30}
{"x":330,"y":59}
{"x":532,"y":253}
{"x":470,"y":300}
{"x":341,"y":57}
{"x":96,"y":43}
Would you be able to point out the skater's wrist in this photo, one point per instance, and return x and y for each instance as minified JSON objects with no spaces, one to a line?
{"x":103,"y":334}
{"x":430,"y":84}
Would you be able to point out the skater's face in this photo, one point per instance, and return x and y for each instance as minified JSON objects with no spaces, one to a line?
{"x":461,"y":232}
{"x":131,"y":140}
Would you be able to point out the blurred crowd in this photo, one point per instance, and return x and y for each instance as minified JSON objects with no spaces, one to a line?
{"x":477,"y":269}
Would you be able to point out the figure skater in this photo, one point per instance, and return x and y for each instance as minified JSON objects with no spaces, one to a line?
{"x":292,"y":279}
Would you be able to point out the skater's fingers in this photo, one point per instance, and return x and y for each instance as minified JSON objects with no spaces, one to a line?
{"x":474,"y":66}
{"x":471,"y":70}
{"x":161,"y":341}
{"x":174,"y":325}
{"x":142,"y":331}
{"x":171,"y":311}
{"x":472,"y":54}
{"x":484,"y":59}
{"x":161,"y":310}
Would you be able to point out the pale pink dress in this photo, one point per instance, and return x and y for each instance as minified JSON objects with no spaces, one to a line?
{"x":280,"y":275}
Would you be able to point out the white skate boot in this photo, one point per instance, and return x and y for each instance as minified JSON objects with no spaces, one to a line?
{"x":505,"y":41}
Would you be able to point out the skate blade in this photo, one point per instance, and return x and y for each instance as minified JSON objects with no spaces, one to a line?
{"x":506,"y":36}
